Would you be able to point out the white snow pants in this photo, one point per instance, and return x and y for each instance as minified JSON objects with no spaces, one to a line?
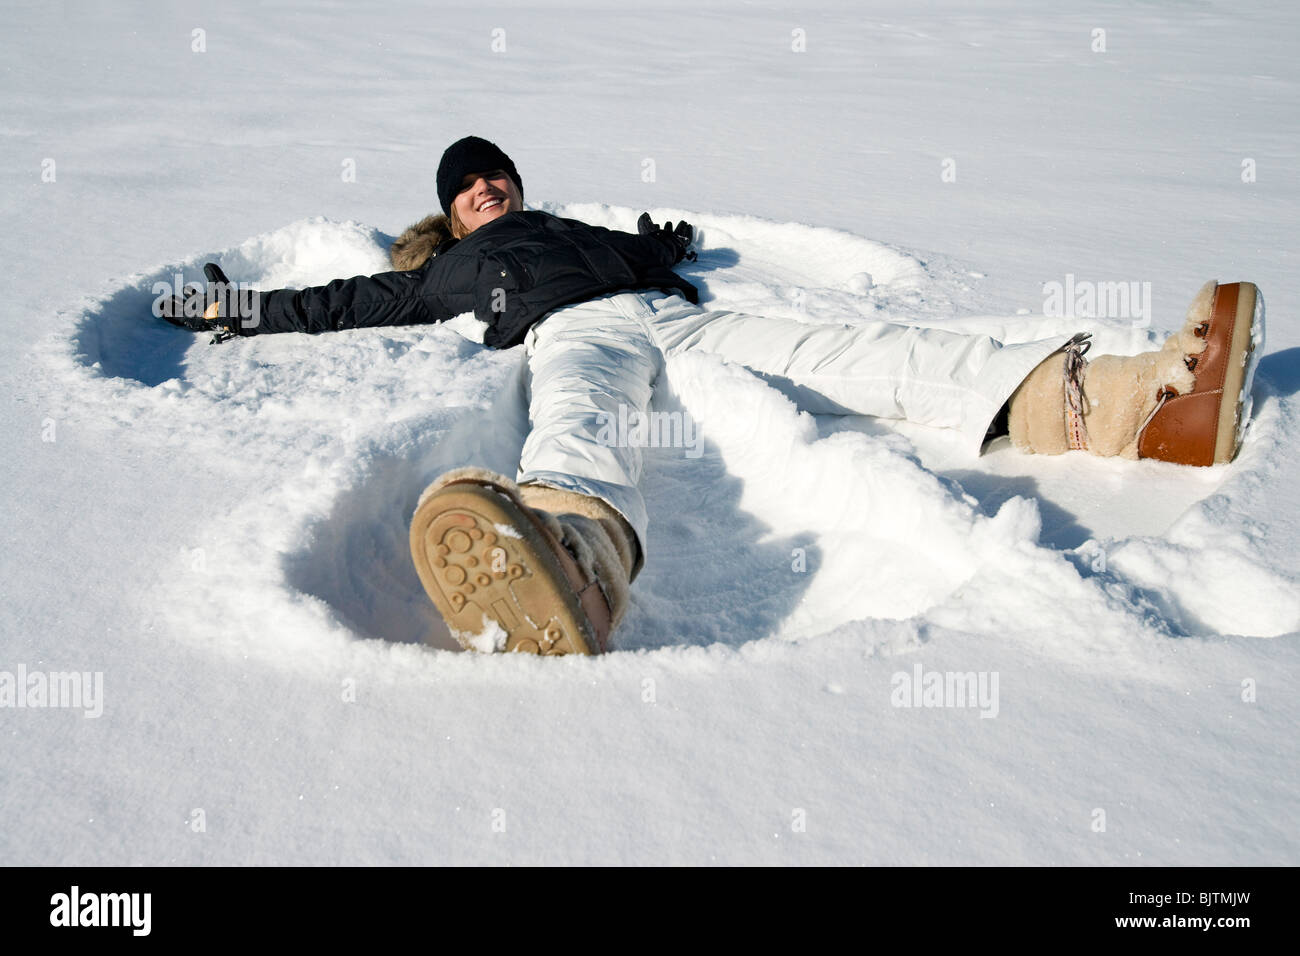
{"x":584,"y":361}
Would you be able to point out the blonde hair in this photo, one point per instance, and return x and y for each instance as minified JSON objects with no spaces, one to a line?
{"x":458,"y":230}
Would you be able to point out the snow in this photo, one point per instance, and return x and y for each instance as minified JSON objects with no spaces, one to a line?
{"x":220,"y":532}
{"x":490,"y":639}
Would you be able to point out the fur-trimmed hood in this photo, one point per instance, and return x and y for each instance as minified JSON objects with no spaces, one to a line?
{"x":420,"y":242}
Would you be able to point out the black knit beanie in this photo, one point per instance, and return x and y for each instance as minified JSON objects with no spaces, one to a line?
{"x":473,"y":154}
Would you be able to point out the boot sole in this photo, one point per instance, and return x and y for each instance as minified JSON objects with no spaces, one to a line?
{"x":491,"y":572}
{"x":1244,"y":354}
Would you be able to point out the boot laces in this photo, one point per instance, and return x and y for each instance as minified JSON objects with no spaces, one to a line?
{"x":1075,"y":365}
{"x":1166,"y":393}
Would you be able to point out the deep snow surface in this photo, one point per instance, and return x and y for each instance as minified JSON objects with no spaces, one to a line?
{"x":221,"y":531}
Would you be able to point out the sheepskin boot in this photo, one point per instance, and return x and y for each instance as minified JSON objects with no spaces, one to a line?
{"x":1188,"y":402}
{"x":573,"y":508}
{"x":522,"y":568}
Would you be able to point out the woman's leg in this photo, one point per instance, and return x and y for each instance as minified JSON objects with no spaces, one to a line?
{"x":590,"y":365}
{"x":929,"y":376}
{"x":1187,"y":403}
{"x":544,"y":566}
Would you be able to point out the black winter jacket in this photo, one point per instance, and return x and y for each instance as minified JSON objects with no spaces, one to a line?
{"x":509,"y":273}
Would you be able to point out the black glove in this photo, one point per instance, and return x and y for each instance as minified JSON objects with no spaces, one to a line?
{"x":201,"y":308}
{"x":677,"y":240}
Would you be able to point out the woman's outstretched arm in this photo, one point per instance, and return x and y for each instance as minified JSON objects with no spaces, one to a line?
{"x":389,"y":298}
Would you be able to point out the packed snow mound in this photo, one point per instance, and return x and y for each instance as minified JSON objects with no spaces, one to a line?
{"x":796,"y":526}
{"x":1205,"y":572}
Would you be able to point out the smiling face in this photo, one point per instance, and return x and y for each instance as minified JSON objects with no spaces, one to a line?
{"x":485,"y":196}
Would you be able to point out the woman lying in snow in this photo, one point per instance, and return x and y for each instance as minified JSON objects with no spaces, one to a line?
{"x":543,"y":564}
